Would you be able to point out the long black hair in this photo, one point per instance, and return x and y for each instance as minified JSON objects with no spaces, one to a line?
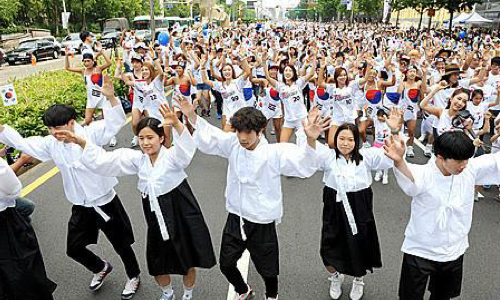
{"x":355,"y":154}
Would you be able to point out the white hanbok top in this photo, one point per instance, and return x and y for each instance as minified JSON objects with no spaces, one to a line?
{"x":154,"y":180}
{"x":253,"y":189}
{"x":441,"y":206}
{"x":344,"y":176}
{"x":10,"y":186}
{"x":81,"y":186}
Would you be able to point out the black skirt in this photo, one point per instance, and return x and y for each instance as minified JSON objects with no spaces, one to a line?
{"x":190,"y":244}
{"x":22,"y":271}
{"x":350,"y":254}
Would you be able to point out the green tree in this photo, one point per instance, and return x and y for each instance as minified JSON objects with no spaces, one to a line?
{"x":327,"y":9}
{"x":9,"y":9}
{"x":368,"y":7}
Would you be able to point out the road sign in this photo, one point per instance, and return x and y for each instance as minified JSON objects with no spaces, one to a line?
{"x":345,"y":2}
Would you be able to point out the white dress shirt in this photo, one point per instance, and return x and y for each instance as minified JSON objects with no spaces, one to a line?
{"x":10,"y":186}
{"x":81,"y":186}
{"x":441,"y":207}
{"x":253,"y":189}
{"x":154,"y":180}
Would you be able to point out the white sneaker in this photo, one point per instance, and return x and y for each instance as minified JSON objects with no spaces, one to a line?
{"x":166,"y":297}
{"x":421,"y":138}
{"x":134,"y":141}
{"x":184,"y":297}
{"x":269,"y":298}
{"x":428,"y":150}
{"x":336,"y":286}
{"x":409,"y":151}
{"x":131,"y":288}
{"x":357,"y":290}
{"x":112,"y":143}
{"x":378,"y":176}
{"x":366,"y":145}
{"x":98,"y":278}
{"x":385,"y":179}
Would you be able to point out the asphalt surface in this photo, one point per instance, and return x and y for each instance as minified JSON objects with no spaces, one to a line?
{"x":9,"y":73}
{"x":302,"y":274}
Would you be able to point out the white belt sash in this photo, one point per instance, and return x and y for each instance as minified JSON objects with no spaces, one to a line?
{"x":342,"y":197}
{"x":155,"y":207}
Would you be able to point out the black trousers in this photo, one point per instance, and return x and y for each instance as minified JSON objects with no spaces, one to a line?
{"x":262,"y":244}
{"x":218,"y":101}
{"x":83,"y":230}
{"x":445,"y":278}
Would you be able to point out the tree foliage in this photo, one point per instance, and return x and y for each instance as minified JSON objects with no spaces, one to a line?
{"x":85,"y":14}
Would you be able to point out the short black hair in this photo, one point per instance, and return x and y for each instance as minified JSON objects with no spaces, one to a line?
{"x":248,"y":119}
{"x":454,"y":145}
{"x":84,"y":35}
{"x":495,"y":61}
{"x":151,"y":123}
{"x":58,"y":115}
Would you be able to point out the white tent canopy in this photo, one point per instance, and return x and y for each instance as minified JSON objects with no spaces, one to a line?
{"x":462,"y":17}
{"x":476,"y":18}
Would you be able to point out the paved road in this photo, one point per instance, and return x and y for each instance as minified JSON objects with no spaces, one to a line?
{"x":302,"y":273}
{"x":8,"y":73}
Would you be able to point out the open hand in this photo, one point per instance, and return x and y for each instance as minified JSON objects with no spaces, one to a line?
{"x":187,"y":108}
{"x":394,"y":148}
{"x":169,"y":116}
{"x":395,"y":119}
{"x":316,"y":124}
{"x":108,"y":89}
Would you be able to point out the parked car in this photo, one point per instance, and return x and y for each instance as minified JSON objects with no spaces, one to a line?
{"x":73,"y":42}
{"x":110,"y":39}
{"x":48,"y":38}
{"x":40,"y":49}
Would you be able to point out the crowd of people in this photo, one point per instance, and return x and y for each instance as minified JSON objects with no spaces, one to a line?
{"x":352,"y":95}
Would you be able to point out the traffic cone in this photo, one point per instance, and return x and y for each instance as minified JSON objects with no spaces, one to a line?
{"x":33,"y":60}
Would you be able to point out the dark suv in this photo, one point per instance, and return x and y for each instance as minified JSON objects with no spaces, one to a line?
{"x":39,"y":48}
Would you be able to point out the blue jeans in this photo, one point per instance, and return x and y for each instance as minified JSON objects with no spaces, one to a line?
{"x":25,"y":207}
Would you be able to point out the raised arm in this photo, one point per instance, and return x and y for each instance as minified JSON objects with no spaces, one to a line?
{"x":107,"y":61}
{"x":35,"y":146}
{"x":120,"y":162}
{"x":209,"y":139}
{"x":271,"y":80}
{"x":67,"y":65}
{"x":321,"y":75}
{"x":203,"y":72}
{"x":101,"y":132}
{"x":424,"y":105}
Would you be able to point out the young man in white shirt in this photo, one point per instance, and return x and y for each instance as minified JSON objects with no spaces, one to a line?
{"x":253,"y":192}
{"x":442,"y":192}
{"x":96,"y":205}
